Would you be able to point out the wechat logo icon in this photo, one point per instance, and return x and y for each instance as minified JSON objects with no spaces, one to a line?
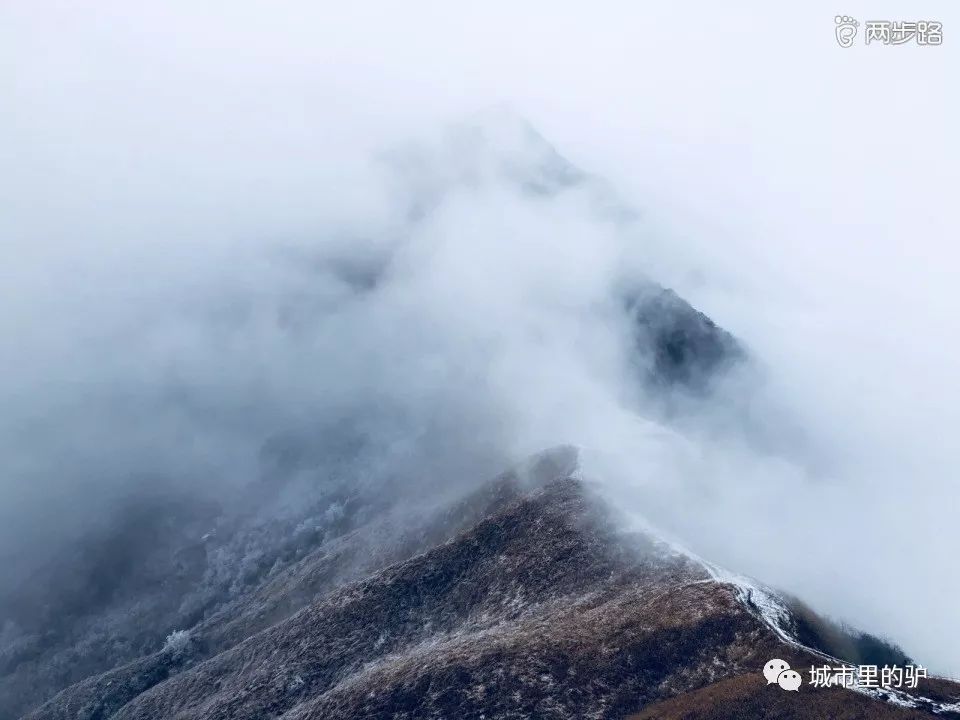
{"x":779,"y":672}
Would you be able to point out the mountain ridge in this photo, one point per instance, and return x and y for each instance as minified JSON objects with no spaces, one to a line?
{"x":539,"y":609}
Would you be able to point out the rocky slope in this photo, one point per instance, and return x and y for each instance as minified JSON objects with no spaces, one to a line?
{"x":534,"y":607}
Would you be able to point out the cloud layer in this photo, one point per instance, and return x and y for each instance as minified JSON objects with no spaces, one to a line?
{"x":223,"y":227}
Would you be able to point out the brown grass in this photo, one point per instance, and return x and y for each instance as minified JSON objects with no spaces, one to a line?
{"x":748,"y":697}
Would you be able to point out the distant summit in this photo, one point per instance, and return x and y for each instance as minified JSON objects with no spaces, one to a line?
{"x":517,"y":151}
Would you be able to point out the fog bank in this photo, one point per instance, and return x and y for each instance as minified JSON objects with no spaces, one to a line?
{"x":227,"y":225}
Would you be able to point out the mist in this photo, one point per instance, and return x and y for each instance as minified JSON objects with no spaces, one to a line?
{"x":226,"y":225}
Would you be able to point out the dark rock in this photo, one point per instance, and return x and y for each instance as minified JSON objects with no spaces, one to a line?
{"x":678,"y":346}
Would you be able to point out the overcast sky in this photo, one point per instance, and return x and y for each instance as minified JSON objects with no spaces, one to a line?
{"x":802,"y":194}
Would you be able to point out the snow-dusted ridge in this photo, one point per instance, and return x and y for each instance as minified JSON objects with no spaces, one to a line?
{"x":769,"y":606}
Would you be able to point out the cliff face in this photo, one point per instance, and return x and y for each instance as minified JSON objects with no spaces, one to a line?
{"x":533,"y":607}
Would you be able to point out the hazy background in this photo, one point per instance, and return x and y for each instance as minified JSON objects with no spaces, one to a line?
{"x":184,"y":183}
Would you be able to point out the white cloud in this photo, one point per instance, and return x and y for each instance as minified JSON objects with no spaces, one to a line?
{"x":800,"y":193}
